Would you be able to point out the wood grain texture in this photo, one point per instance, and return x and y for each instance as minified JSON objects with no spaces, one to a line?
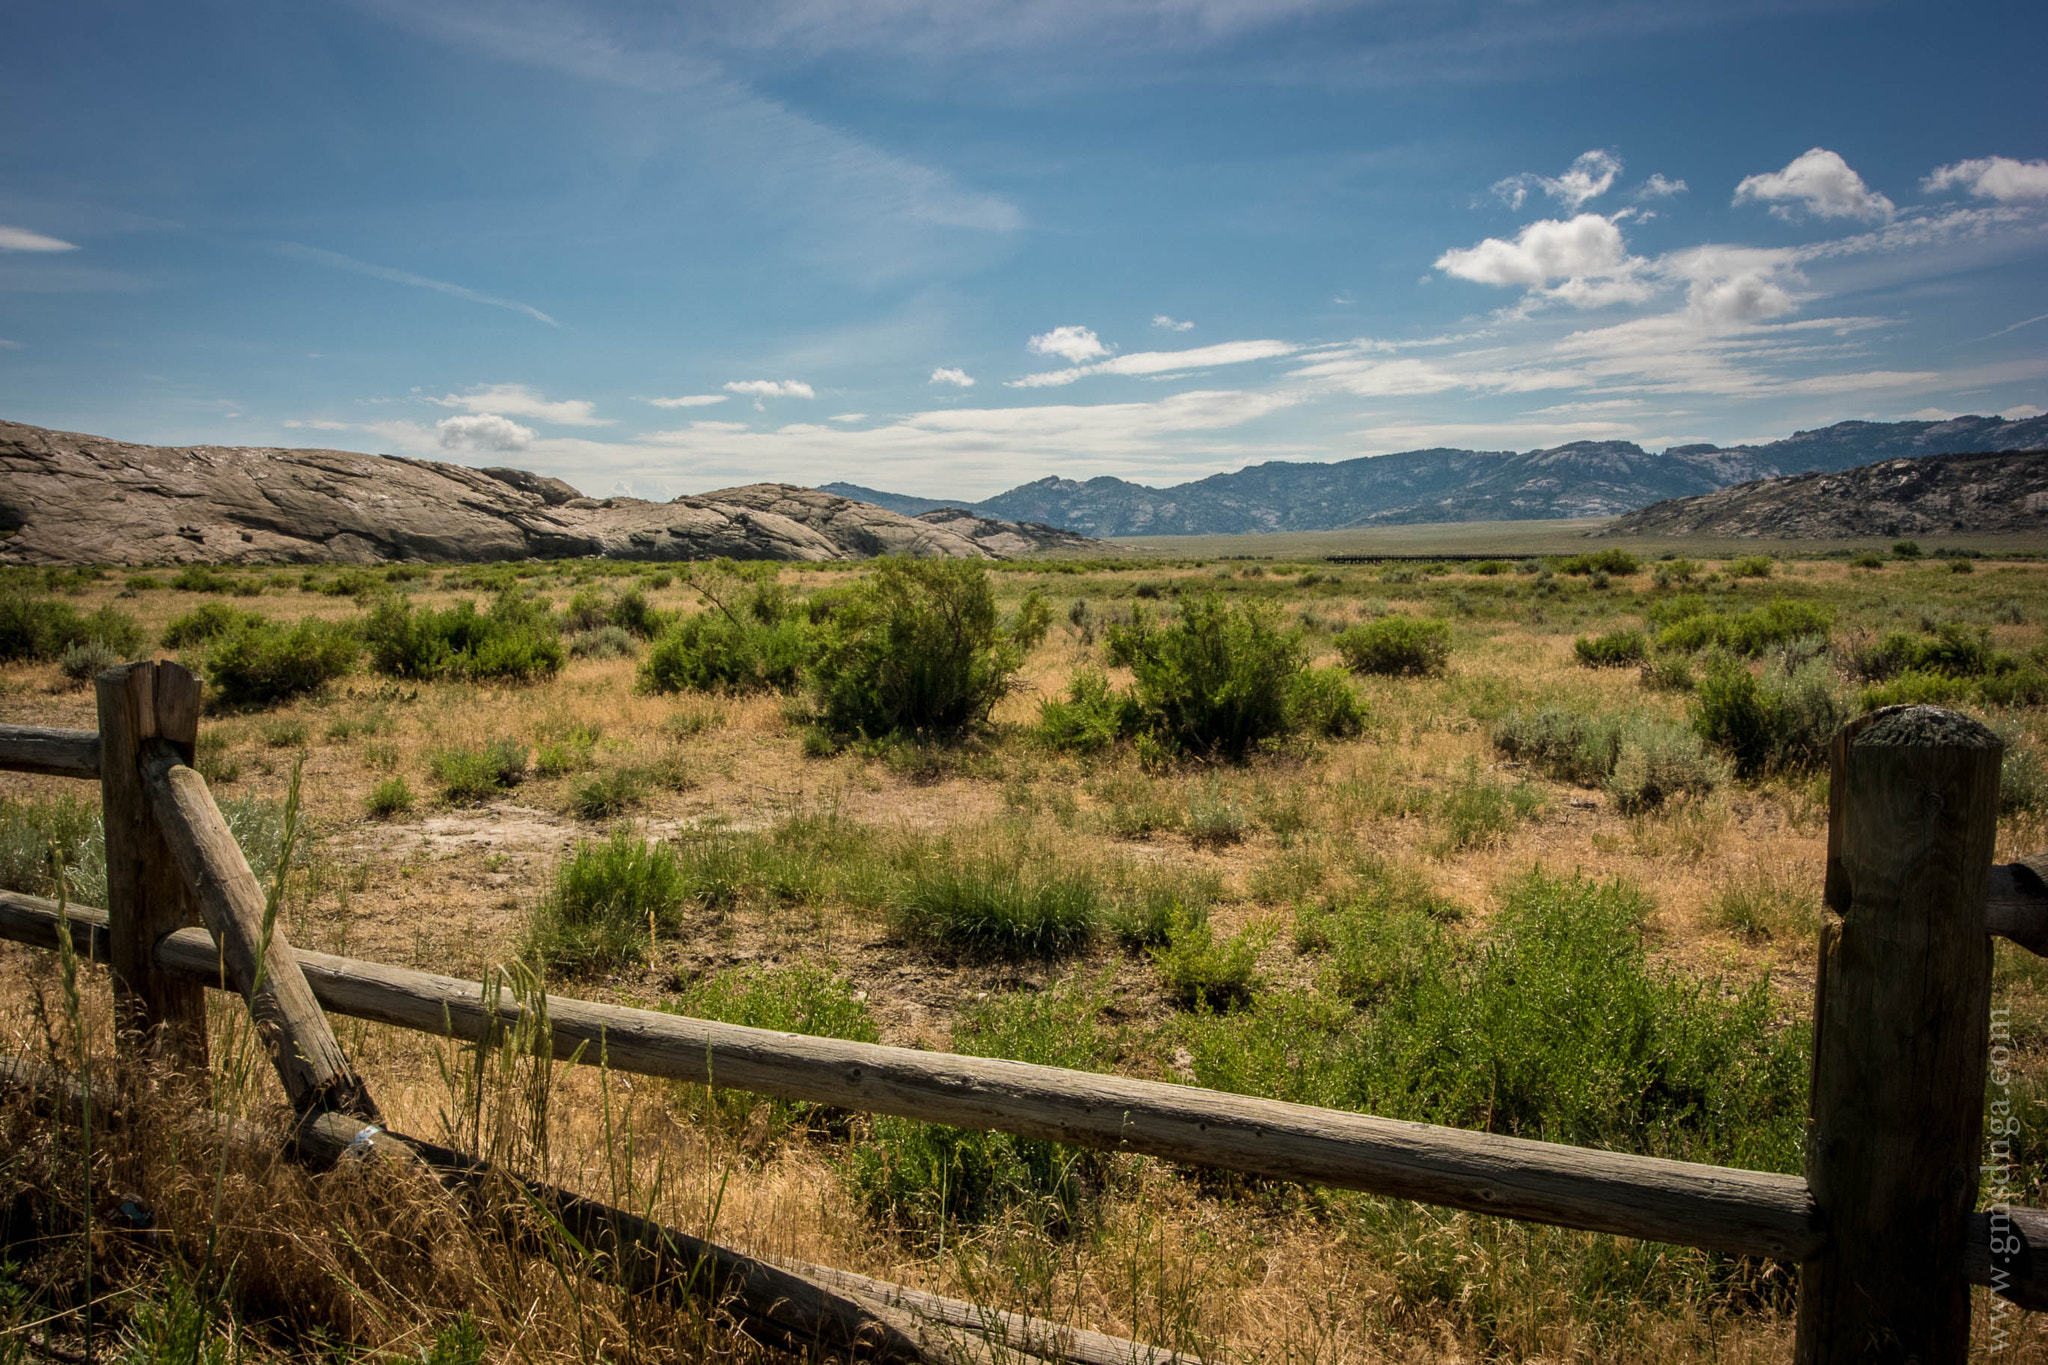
{"x":1746,"y":1212}
{"x":1901,"y":1032}
{"x":55,"y":753}
{"x":159,"y":1013}
{"x":257,"y":958}
{"x":416,"y":1000}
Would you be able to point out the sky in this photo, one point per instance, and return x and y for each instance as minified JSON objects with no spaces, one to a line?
{"x":946,"y":247}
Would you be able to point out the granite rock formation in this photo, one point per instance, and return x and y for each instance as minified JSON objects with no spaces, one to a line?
{"x":1930,"y":496}
{"x":68,"y":498}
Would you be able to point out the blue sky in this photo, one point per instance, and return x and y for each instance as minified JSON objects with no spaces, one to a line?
{"x":946,"y":246}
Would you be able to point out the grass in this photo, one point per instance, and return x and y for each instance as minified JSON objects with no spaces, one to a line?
{"x":469,"y":775}
{"x":1606,"y":944}
{"x":609,"y":901}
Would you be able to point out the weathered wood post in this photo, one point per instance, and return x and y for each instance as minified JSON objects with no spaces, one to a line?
{"x":158,"y":1013}
{"x":1901,"y":1014}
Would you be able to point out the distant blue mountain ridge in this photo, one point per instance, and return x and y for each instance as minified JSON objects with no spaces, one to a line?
{"x":1581,"y":479}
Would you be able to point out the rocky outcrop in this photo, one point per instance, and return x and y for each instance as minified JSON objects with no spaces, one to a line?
{"x":67,"y":498}
{"x":1930,"y":496}
{"x":1010,"y":539}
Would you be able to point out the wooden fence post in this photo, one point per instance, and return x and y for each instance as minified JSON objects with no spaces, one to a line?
{"x":161,"y":1013}
{"x":1901,"y":1019}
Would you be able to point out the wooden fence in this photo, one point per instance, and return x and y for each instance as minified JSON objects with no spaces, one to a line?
{"x":1884,"y":1226}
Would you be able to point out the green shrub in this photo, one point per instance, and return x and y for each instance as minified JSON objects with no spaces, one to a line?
{"x":998,"y":904}
{"x":606,"y":642}
{"x":1323,"y":703}
{"x":1961,"y":566}
{"x":87,"y":659}
{"x":913,"y":649}
{"x":261,"y":665}
{"x":208,"y":622}
{"x":1034,"y":618}
{"x":2022,"y":776}
{"x":1142,"y":915}
{"x":38,"y":629}
{"x":1553,"y":1025}
{"x":609,"y":794}
{"x":1619,"y":563}
{"x":393,"y":796}
{"x":1906,"y":549}
{"x":1779,"y":722}
{"x":1667,"y":673}
{"x":1489,"y":568}
{"x":142,"y":582}
{"x":1380,"y":938}
{"x":921,"y":1177}
{"x":607,"y":901}
{"x":1867,"y":560}
{"x":1092,"y":717}
{"x":517,"y":640}
{"x":31,"y":826}
{"x":1751,"y":566}
{"x":1396,"y":646}
{"x":203,"y":578}
{"x":1221,"y":680}
{"x":592,"y":612}
{"x":1205,"y":972}
{"x":1617,"y":649}
{"x":802,"y":997}
{"x":1560,"y":744}
{"x":714,"y":652}
{"x":1748,"y":633}
{"x":1213,"y":819}
{"x":1672,"y":572}
{"x":472,"y":775}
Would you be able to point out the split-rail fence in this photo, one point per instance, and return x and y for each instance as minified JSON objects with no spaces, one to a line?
{"x":1884,"y":1227}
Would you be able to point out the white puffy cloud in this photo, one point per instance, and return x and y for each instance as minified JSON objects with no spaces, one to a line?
{"x":1819,"y":182}
{"x":520,"y":401}
{"x":482,"y":431}
{"x":689,"y":400}
{"x":1142,"y":363}
{"x":958,"y":378}
{"x":1590,"y":175}
{"x":771,"y":388}
{"x":1732,"y":284}
{"x":1657,"y":187}
{"x":1171,"y":324}
{"x":21,"y":239}
{"x":1586,"y":255}
{"x":1992,"y":177}
{"x":1071,"y":344}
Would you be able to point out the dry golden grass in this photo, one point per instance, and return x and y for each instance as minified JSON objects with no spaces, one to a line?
{"x":1238,"y":1271}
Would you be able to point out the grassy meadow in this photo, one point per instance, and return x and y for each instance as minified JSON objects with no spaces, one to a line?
{"x":1532,"y":846}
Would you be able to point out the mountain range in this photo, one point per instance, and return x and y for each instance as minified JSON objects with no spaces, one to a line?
{"x":1580,"y":479}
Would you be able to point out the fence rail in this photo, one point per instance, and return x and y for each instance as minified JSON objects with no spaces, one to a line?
{"x":1883,"y":1225}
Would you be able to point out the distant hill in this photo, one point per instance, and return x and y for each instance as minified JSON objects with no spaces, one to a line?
{"x":902,"y":504}
{"x":1933,"y":495}
{"x":1581,"y":479}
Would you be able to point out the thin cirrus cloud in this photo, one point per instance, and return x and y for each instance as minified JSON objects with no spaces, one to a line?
{"x":21,"y":239}
{"x":1143,"y":363}
{"x":690,"y":400}
{"x":771,"y":388}
{"x":1818,"y":182}
{"x":520,"y":401}
{"x":958,"y":378}
{"x":1590,"y":175}
{"x":314,"y":255}
{"x":2000,"y":178}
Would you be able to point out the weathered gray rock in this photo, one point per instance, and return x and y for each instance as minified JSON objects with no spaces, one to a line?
{"x":1933,"y":495}
{"x":1010,"y":539}
{"x":68,"y":498}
